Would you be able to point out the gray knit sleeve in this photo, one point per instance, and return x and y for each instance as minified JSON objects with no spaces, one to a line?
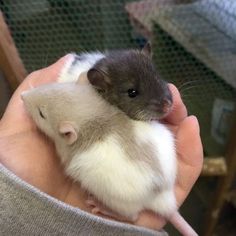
{"x":25,"y":210}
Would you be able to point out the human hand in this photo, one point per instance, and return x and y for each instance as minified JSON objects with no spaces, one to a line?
{"x":189,"y":156}
{"x":27,"y":152}
{"x":31,"y":156}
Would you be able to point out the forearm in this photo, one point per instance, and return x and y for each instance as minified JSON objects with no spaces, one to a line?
{"x":27,"y":211}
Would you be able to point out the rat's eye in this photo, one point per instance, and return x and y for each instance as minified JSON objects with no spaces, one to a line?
{"x":132,"y":93}
{"x":41,"y":114}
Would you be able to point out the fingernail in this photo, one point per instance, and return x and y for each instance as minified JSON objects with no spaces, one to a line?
{"x":70,"y":55}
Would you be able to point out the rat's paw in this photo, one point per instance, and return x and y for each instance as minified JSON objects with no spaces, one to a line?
{"x":98,"y":208}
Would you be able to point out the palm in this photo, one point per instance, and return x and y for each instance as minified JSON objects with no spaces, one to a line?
{"x":30,"y":155}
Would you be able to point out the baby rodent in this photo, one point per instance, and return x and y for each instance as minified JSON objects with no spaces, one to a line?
{"x":127,"y":79}
{"x":104,"y":134}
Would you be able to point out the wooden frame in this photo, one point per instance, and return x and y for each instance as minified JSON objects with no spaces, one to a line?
{"x":224,"y":185}
{"x":214,"y":166}
{"x":10,"y":62}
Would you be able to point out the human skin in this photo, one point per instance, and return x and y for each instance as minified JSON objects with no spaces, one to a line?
{"x":31,"y":155}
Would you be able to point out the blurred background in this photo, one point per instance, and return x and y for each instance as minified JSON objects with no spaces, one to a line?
{"x":194,"y":47}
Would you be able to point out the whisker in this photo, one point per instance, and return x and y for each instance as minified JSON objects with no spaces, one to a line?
{"x":187,"y":83}
{"x":190,"y":98}
{"x":189,"y":95}
{"x":141,"y":115}
{"x":188,"y":88}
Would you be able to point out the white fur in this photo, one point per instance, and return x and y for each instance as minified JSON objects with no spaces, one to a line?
{"x":71,"y":73}
{"x":163,"y":140}
{"x":123,"y":184}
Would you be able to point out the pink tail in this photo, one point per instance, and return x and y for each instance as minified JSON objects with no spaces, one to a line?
{"x":181,"y":225}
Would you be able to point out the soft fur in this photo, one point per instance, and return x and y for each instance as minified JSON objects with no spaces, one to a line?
{"x":125,"y":163}
{"x":128,"y":165}
{"x":126,"y":179}
{"x":79,"y":64}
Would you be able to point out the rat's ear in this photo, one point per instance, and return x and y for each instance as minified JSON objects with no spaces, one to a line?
{"x":68,"y":132}
{"x":98,"y":79}
{"x":147,"y":49}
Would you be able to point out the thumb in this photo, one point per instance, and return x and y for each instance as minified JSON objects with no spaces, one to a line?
{"x":15,"y":112}
{"x":43,"y":76}
{"x":190,"y":156}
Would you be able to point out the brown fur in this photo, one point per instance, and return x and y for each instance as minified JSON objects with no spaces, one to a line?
{"x":94,"y":120}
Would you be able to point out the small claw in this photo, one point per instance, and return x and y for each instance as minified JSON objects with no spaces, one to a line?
{"x":98,"y":208}
{"x":90,"y":203}
{"x":95,"y":210}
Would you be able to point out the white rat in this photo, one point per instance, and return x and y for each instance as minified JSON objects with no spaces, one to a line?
{"x":104,"y":132}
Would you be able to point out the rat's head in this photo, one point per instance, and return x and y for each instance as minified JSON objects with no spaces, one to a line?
{"x":52,"y":107}
{"x":128,"y":79}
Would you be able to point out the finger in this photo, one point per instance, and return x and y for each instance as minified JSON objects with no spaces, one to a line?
{"x":150,"y":220}
{"x":46,"y":75}
{"x":51,"y":71}
{"x":179,"y":111}
{"x":43,"y":76}
{"x":189,"y":142}
{"x":39,"y":77}
{"x":190,"y":156}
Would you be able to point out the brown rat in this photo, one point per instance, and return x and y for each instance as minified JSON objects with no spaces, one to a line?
{"x":129,"y":80}
{"x":127,"y":162}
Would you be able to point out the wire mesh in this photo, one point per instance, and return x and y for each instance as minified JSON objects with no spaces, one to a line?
{"x":194,"y":45}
